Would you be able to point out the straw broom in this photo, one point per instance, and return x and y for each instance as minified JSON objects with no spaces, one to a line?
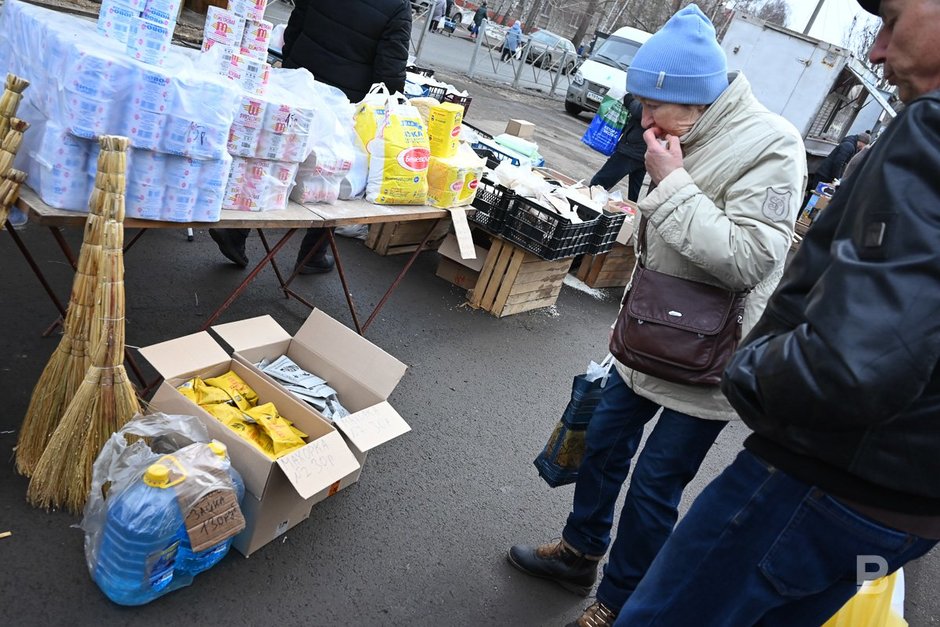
{"x":106,"y":400}
{"x":68,"y":365}
{"x":10,"y":182}
{"x":11,"y":143}
{"x":10,"y":100}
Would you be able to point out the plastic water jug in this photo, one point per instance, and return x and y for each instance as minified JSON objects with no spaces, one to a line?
{"x":140,"y":540}
{"x":191,"y":563}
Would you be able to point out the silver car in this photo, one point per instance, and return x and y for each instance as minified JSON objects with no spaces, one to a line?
{"x":548,"y":49}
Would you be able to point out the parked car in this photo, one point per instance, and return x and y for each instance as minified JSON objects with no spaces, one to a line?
{"x":548,"y":49}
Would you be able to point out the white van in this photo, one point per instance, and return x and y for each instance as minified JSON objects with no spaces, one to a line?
{"x":606,"y":68}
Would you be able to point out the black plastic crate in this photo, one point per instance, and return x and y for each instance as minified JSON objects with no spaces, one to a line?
{"x":478,"y":131}
{"x":463,"y":101}
{"x":423,"y":71}
{"x":546,"y":234}
{"x":604,"y":236}
{"x":492,"y":204}
{"x":438,"y":92}
{"x":492,"y":160}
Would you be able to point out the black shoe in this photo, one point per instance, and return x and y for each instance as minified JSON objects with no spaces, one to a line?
{"x":320,"y":264}
{"x":558,"y":562}
{"x":231,"y":246}
{"x":597,"y":615}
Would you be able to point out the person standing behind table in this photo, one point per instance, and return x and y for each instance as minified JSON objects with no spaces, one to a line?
{"x":513,"y":39}
{"x":729,"y":183}
{"x":351,"y":45}
{"x":840,"y":480}
{"x":833,"y":166}
{"x":478,"y":18}
{"x":628,"y":157}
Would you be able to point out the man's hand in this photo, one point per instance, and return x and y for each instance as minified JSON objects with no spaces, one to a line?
{"x":661,"y":161}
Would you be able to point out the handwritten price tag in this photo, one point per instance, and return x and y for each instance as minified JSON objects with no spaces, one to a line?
{"x":373,"y":426}
{"x":214,"y":518}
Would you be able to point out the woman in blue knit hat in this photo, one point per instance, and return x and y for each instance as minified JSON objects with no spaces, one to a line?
{"x":728,"y":177}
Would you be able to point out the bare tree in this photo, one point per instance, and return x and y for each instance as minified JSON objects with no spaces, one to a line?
{"x":587,"y":15}
{"x":859,"y":37}
{"x":773,"y":11}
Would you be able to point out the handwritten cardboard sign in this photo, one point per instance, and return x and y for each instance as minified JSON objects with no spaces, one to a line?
{"x":214,"y":519}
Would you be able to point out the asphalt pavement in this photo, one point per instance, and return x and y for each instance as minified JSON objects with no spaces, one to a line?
{"x":421,"y":539}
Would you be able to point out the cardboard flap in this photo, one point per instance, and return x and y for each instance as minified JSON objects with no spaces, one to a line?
{"x":352,"y":353}
{"x":449,"y":248}
{"x":184,"y":355}
{"x":372,"y":426}
{"x":462,"y":229}
{"x":319,"y":464}
{"x":251,"y":333}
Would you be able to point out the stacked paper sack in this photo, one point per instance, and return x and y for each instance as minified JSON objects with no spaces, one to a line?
{"x":182,"y":120}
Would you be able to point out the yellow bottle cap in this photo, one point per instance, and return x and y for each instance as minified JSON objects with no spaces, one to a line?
{"x":157,"y":476}
{"x":218,"y":448}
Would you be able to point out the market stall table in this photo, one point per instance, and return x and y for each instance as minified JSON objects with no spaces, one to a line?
{"x":294,"y":217}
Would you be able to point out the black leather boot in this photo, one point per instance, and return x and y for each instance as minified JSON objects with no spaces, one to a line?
{"x":559,"y":562}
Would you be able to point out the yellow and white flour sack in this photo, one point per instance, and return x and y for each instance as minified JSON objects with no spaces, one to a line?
{"x":444,"y":123}
{"x":398,"y":158}
{"x":453,"y":182}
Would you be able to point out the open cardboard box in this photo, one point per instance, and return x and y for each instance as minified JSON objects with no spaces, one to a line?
{"x":279,"y":493}
{"x":363,"y":375}
{"x":452,"y":267}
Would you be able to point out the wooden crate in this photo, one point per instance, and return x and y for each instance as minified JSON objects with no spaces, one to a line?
{"x":610,"y":269}
{"x":514,"y":280}
{"x":395,"y":238}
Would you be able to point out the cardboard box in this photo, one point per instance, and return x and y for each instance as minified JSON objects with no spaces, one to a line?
{"x":363,"y":375}
{"x":521,"y":128}
{"x":461,"y":272}
{"x":279,"y":493}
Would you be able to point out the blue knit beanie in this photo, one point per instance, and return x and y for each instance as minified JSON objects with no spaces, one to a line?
{"x":682,"y":63}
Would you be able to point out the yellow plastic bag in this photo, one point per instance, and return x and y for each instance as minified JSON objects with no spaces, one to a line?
{"x":871,"y":606}
{"x":198,"y":392}
{"x":284,"y":436}
{"x":245,"y":426}
{"x":236,"y":389}
{"x":370,"y":115}
{"x":398,"y":158}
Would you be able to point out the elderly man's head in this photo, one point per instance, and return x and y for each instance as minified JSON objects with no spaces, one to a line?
{"x":907,"y":44}
{"x":678,"y":72}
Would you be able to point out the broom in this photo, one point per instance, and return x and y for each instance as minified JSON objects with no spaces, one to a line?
{"x":11,"y":143}
{"x":10,"y":182}
{"x":69,"y":363}
{"x":10,"y":100}
{"x":105,"y":400}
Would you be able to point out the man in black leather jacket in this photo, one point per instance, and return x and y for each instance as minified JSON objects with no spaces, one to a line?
{"x":628,"y":158}
{"x":840,"y":481}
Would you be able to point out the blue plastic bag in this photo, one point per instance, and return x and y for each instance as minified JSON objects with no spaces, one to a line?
{"x":605,"y":129}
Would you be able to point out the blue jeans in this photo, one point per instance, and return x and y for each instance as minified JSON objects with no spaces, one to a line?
{"x":761,"y":548}
{"x":672,"y":455}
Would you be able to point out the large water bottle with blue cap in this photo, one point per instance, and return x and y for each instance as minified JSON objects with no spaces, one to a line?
{"x":193,"y":563}
{"x":140,"y":540}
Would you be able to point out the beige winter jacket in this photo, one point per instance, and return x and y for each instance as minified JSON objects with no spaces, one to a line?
{"x":725,"y":219}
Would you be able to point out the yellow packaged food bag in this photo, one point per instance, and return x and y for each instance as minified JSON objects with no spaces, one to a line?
{"x":398,"y":163}
{"x":444,"y":129}
{"x":245,"y":426}
{"x":424,"y":106}
{"x":200,"y":393}
{"x":236,"y":389}
{"x":453,"y":182}
{"x":282,"y":433}
{"x":370,"y":116}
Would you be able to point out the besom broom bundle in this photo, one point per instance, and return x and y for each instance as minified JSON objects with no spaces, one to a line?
{"x":67,"y":367}
{"x":105,"y":400}
{"x":10,"y":182}
{"x":10,"y":100}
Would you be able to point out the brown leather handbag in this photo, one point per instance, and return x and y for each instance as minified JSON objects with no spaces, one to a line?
{"x":676,"y":329}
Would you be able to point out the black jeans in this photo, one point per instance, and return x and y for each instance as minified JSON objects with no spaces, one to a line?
{"x":619,"y":165}
{"x":310,"y":240}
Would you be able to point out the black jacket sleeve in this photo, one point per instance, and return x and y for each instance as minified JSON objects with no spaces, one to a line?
{"x":860,"y":342}
{"x":295,"y":26}
{"x":391,"y":55}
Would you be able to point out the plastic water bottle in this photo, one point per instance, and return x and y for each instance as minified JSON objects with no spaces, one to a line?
{"x":140,"y":540}
{"x":190,"y":563}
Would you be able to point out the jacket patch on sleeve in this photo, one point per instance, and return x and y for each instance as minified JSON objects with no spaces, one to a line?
{"x":776,"y":205}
